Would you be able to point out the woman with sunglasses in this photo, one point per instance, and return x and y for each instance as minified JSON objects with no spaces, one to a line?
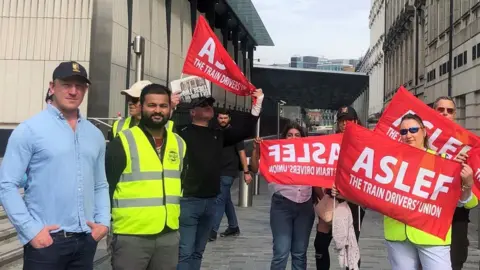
{"x":291,"y":213}
{"x":324,"y":231}
{"x":411,"y":248}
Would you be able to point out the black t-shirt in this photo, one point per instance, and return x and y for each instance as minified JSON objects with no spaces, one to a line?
{"x":231,"y":159}
{"x":203,"y":162}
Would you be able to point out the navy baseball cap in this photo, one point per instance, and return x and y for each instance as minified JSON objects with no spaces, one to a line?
{"x":70,"y":69}
{"x":347,"y":113}
{"x":201,"y":101}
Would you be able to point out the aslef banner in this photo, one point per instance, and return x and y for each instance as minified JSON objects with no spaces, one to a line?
{"x":410,"y":185}
{"x":207,"y":58}
{"x":310,"y":161}
{"x":445,"y":136}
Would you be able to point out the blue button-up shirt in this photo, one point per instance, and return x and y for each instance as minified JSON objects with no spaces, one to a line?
{"x":66,"y":183}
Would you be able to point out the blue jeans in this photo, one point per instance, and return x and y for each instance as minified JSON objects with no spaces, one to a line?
{"x":224,"y":204}
{"x":291,"y":225}
{"x":72,"y":252}
{"x":196,"y":221}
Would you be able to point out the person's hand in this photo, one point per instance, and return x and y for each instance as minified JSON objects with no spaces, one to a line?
{"x":335,"y":192}
{"x":462,"y":157}
{"x":257,"y":93}
{"x":98,"y":230}
{"x":175,"y":99}
{"x":248,"y":178}
{"x":467,"y":176}
{"x":43,"y":239}
{"x":256,"y":142}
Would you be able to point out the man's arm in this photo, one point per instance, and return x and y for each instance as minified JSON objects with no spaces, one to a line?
{"x":115,"y":163}
{"x":102,"y":200}
{"x":14,"y":165}
{"x":240,"y":147}
{"x":234,"y":135}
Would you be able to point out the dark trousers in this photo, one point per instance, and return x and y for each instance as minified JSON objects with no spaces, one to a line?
{"x":69,"y":251}
{"x":291,"y":225}
{"x":459,"y":246}
{"x":323,"y":240}
{"x":224,"y":204}
{"x":196,"y":222}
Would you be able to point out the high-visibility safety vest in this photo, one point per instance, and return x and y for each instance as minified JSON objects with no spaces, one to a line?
{"x":397,"y":231}
{"x":147,"y":197}
{"x":123,"y":124}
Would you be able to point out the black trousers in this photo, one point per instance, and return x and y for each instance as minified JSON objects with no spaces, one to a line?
{"x":460,"y":243}
{"x":323,"y":240}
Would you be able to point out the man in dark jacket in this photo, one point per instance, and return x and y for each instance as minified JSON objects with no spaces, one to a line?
{"x":201,"y":176}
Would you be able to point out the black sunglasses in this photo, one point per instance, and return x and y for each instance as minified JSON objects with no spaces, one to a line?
{"x":412,"y":130}
{"x":205,"y":104}
{"x":133,"y":100}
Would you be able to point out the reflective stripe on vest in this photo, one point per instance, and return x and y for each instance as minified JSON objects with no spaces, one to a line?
{"x":148,"y":194}
{"x":121,"y":125}
{"x":397,"y":231}
{"x":169,"y":125}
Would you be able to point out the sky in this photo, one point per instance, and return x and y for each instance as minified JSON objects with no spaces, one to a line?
{"x":335,"y":29}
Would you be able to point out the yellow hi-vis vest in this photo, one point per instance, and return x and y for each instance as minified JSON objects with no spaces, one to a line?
{"x":124,"y":124}
{"x":147,"y":197}
{"x":397,"y":231}
{"x":121,"y":125}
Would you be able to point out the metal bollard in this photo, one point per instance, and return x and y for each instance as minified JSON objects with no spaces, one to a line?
{"x":139,"y":50}
{"x":256,"y":184}
{"x":245,"y":192}
{"x":256,"y":178}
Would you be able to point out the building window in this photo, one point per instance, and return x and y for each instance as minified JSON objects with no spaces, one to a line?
{"x":460,"y":60}
{"x":431,"y":75}
{"x":465,"y":57}
{"x":474,"y":52}
{"x":455,"y":62}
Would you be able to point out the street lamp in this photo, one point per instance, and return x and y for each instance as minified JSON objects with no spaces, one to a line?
{"x":280,"y":103}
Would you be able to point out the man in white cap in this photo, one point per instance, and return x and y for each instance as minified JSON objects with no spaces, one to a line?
{"x":133,"y":100}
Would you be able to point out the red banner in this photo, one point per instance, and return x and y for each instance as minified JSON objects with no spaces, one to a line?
{"x":207,"y":58}
{"x":310,"y":161}
{"x":474,"y":162}
{"x":410,"y":185}
{"x":445,"y":136}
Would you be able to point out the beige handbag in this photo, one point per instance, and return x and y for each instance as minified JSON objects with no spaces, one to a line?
{"x":324,"y":208}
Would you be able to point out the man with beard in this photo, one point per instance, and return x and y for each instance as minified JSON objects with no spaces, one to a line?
{"x":232,"y":157}
{"x":143,"y":166}
{"x":133,"y":100}
{"x":201,"y":179}
{"x":459,"y":246}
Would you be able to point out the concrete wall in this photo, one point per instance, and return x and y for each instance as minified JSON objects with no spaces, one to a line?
{"x":149,"y":21}
{"x":35,"y":36}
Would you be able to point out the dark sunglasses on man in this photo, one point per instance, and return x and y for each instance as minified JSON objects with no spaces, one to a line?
{"x":205,"y":104}
{"x":412,"y":130}
{"x":442,"y":110}
{"x":133,"y":100}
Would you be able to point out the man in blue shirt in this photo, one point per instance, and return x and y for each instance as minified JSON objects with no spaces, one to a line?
{"x":66,"y":208}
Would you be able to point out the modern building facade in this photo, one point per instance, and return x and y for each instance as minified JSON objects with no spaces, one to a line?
{"x":417,"y":53}
{"x":35,"y":36}
{"x":372,"y":62}
{"x":322,"y":63}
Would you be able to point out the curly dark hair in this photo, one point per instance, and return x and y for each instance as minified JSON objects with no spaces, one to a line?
{"x":294,"y":125}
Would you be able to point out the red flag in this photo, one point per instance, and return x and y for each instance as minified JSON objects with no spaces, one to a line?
{"x":207,"y":58}
{"x":408,"y":184}
{"x":445,"y":136}
{"x":474,"y":162}
{"x":309,"y":161}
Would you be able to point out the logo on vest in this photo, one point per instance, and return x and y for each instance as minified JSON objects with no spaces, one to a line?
{"x":173,"y":157}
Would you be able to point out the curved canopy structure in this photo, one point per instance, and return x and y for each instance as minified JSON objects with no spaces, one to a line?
{"x":310,"y":88}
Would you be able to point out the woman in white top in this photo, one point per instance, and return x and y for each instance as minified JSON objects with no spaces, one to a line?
{"x":291,"y":214}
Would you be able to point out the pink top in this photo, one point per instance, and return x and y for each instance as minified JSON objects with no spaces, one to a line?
{"x":298,"y":194}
